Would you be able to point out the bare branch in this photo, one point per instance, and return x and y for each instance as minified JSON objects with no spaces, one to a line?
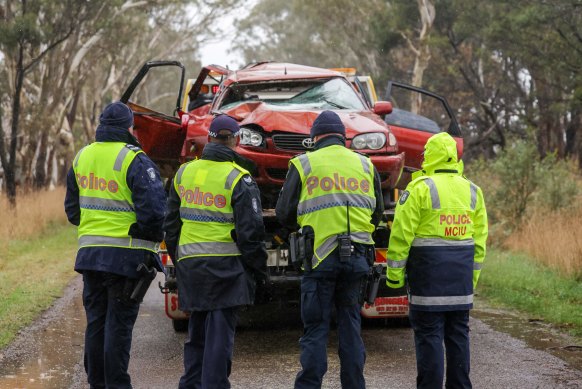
{"x":409,"y":42}
{"x":48,"y":49}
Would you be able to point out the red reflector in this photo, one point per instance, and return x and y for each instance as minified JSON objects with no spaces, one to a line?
{"x":214,"y":89}
{"x":164,"y":258}
{"x":401,"y":301}
{"x":380,"y":255}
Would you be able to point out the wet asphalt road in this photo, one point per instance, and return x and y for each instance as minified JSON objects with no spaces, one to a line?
{"x":49,"y":353}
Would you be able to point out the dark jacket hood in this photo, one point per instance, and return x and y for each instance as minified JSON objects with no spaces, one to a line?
{"x":221,"y":153}
{"x":112,"y":134}
{"x":330,"y":140}
{"x":440,"y":155}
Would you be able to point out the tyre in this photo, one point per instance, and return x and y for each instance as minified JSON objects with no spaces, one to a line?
{"x":180,"y":325}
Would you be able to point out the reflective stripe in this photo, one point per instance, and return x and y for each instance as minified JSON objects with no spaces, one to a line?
{"x":365,"y":237}
{"x":105,"y":204}
{"x":120,"y":157}
{"x":427,"y":242}
{"x":396,"y":264}
{"x":331,"y":243}
{"x":95,"y":240}
{"x":477,"y":265}
{"x":208,"y":248}
{"x":179,"y":174}
{"x":335,"y":200}
{"x":76,"y":161}
{"x":473,"y":196}
{"x":365,"y":163}
{"x":434,"y":193}
{"x":305,"y":164}
{"x":441,"y":300}
{"x":203,"y":215}
{"x":326,"y":247}
{"x":231,"y":177}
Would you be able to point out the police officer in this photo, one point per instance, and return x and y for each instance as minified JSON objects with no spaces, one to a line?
{"x":438,"y":239}
{"x":116,"y":197}
{"x":333,"y":193}
{"x":215,"y":235}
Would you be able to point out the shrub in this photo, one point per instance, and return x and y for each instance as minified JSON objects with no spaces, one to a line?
{"x":558,"y":186}
{"x":517,"y":179}
{"x":519,"y":175}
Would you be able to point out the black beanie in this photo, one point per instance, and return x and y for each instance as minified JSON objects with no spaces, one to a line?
{"x":223,"y":122}
{"x":328,"y":122}
{"x":116,"y":115}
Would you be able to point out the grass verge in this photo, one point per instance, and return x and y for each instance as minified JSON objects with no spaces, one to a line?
{"x":33,"y":273}
{"x":513,"y":281}
{"x":33,"y":213}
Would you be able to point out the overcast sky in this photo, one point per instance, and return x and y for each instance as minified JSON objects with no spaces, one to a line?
{"x":218,"y":52}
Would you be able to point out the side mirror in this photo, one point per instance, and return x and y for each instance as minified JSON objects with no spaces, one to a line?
{"x":382,"y":108}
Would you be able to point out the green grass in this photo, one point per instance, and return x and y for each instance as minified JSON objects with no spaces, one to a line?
{"x":33,"y":273}
{"x":511,"y":280}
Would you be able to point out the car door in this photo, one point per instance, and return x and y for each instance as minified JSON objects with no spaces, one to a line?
{"x":418,"y":114}
{"x":154,"y":96}
{"x":207,"y":78}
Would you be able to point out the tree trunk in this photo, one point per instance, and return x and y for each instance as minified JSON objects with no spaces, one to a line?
{"x":427,"y":16}
{"x":40,"y":175}
{"x":550,"y":125}
{"x":50,"y":164}
{"x":3,"y":159}
{"x":9,"y":172}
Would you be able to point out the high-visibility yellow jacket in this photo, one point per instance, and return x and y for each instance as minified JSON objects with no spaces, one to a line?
{"x":205,"y":188}
{"x":107,"y":209}
{"x":334,"y":179}
{"x":439,"y":233}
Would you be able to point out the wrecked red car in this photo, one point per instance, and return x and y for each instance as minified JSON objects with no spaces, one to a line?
{"x":276,"y":104}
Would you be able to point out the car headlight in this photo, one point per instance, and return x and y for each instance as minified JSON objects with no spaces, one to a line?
{"x":391,"y":139}
{"x":250,"y":138}
{"x":371,"y":141}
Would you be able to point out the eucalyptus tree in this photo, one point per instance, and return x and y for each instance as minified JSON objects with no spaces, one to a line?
{"x":62,"y":61}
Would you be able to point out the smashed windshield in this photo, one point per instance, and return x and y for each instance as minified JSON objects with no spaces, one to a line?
{"x":318,"y":94}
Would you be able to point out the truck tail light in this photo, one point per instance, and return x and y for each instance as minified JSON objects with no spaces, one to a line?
{"x":165,"y":258}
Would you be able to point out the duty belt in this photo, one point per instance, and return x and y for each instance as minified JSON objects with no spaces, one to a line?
{"x":331,"y":243}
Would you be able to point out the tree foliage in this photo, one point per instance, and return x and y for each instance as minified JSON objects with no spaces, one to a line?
{"x":506,"y":67}
{"x":329,"y":33}
{"x":62,"y":61}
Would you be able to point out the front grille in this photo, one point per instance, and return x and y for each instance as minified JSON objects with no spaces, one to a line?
{"x":290,"y":142}
{"x":278,"y":174}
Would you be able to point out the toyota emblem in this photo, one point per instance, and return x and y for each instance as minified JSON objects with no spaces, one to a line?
{"x":308,"y":143}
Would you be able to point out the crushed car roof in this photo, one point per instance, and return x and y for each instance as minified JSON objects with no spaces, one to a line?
{"x":279,"y":71}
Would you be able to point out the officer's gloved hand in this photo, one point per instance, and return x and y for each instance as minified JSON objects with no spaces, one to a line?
{"x":280,"y":238}
{"x":263,"y":291}
{"x":137,"y":232}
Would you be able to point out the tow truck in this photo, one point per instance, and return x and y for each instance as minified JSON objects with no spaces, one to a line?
{"x":275,"y":104}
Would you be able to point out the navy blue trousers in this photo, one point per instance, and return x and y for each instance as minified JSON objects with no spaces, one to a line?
{"x":431,"y":329}
{"x":110,"y":320}
{"x":208,"y":349}
{"x":332,"y":283}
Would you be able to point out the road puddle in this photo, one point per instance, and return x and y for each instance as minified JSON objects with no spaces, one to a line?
{"x":535,"y":333}
{"x":44,"y":355}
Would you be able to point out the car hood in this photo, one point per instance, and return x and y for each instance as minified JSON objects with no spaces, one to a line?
{"x":273,"y":119}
